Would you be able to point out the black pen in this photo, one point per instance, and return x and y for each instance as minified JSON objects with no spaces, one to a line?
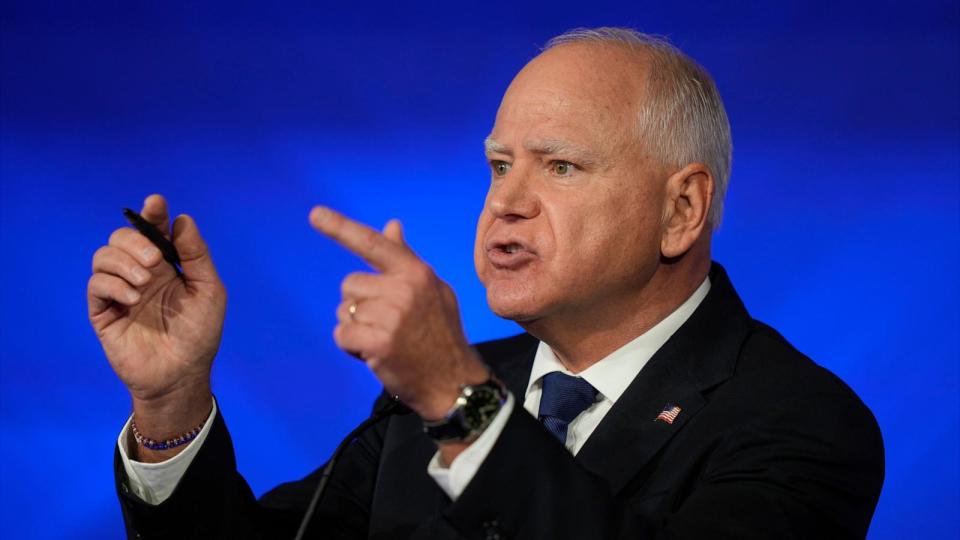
{"x":156,"y":238}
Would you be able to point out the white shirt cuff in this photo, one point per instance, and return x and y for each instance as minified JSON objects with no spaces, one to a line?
{"x":155,"y":482}
{"x":454,"y":480}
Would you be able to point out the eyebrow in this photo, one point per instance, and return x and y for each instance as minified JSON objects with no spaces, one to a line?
{"x":491,"y":146}
{"x":545,"y":147}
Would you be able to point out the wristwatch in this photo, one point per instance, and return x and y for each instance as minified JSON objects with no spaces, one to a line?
{"x":475,"y":408}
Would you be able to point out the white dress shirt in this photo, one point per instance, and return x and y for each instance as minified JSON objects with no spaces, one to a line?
{"x":154,"y":482}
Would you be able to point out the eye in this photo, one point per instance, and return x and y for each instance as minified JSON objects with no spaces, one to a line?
{"x":500,"y":168}
{"x":562,"y":168}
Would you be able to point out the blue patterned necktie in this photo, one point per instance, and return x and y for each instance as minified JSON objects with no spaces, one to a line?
{"x":562,"y":399}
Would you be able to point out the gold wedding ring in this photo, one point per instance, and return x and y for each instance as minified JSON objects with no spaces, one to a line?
{"x":352,"y":310}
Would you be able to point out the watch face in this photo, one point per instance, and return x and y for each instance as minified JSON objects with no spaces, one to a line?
{"x":472,"y":413}
{"x":482,"y":405}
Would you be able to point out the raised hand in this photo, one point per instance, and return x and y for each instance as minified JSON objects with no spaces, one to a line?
{"x":159,"y":331}
{"x":403,"y":321}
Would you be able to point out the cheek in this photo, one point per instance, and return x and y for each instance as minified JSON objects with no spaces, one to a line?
{"x":572,"y":245}
{"x":585,"y":225}
{"x":637,"y":238}
{"x":614,"y":232}
{"x":479,"y":258}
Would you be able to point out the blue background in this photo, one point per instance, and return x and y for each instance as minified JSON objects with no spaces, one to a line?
{"x":841,"y":227}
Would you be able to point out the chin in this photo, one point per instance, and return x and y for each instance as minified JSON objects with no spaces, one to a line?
{"x":512,"y":305}
{"x":515,"y":315}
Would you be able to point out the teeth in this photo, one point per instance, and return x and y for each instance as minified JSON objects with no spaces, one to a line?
{"x":512,"y":248}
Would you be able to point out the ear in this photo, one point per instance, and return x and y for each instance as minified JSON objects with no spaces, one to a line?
{"x":686,"y":214}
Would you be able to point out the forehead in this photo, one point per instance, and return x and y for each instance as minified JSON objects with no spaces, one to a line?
{"x":587,"y":93}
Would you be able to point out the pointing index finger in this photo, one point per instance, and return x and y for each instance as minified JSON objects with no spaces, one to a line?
{"x":365,"y":242}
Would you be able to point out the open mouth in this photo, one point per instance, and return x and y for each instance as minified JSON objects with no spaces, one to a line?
{"x":509,"y":255}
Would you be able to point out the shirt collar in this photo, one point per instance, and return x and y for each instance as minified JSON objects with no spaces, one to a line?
{"x":613,"y":374}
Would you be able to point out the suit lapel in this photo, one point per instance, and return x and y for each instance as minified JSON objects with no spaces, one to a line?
{"x":700,"y":355}
{"x":628,"y":436}
{"x":630,"y":433}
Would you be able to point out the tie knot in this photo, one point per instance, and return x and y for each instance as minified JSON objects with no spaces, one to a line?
{"x":564,"y":397}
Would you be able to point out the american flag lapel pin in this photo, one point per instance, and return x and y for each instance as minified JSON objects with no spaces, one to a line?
{"x":668,"y":414}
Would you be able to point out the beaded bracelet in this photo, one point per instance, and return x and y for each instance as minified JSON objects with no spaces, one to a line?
{"x":179,"y":440}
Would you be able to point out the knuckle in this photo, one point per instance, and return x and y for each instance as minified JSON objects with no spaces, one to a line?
{"x":100,"y":257}
{"x":350,"y":283}
{"x":335,"y":220}
{"x":106,"y":287}
{"x":369,"y":241}
{"x":134,"y":244}
{"x":421,"y":274}
{"x":117,"y":236}
{"x":99,"y":280}
{"x":338,"y":335}
{"x":333,"y":224}
{"x":448,"y":293}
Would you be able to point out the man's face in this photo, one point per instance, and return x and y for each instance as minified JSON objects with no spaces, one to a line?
{"x":572,"y":219}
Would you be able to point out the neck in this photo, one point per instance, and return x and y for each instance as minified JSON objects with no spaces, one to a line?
{"x":586,"y":335}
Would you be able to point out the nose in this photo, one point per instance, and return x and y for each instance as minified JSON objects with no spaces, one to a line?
{"x":512,"y":196}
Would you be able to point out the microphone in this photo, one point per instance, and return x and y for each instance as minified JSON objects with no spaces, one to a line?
{"x":392,"y":406}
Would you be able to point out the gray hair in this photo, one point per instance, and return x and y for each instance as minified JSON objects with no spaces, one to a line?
{"x":683,"y":120}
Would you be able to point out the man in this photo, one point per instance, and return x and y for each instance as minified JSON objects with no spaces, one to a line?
{"x":664,"y":410}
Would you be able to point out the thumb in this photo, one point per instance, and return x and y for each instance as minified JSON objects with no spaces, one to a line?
{"x":393,"y":230}
{"x":194,"y":255}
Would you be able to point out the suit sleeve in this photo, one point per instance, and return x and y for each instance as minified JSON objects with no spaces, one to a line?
{"x":811,"y":468}
{"x":213,"y":500}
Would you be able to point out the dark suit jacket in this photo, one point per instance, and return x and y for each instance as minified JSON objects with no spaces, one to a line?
{"x":767,"y":445}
